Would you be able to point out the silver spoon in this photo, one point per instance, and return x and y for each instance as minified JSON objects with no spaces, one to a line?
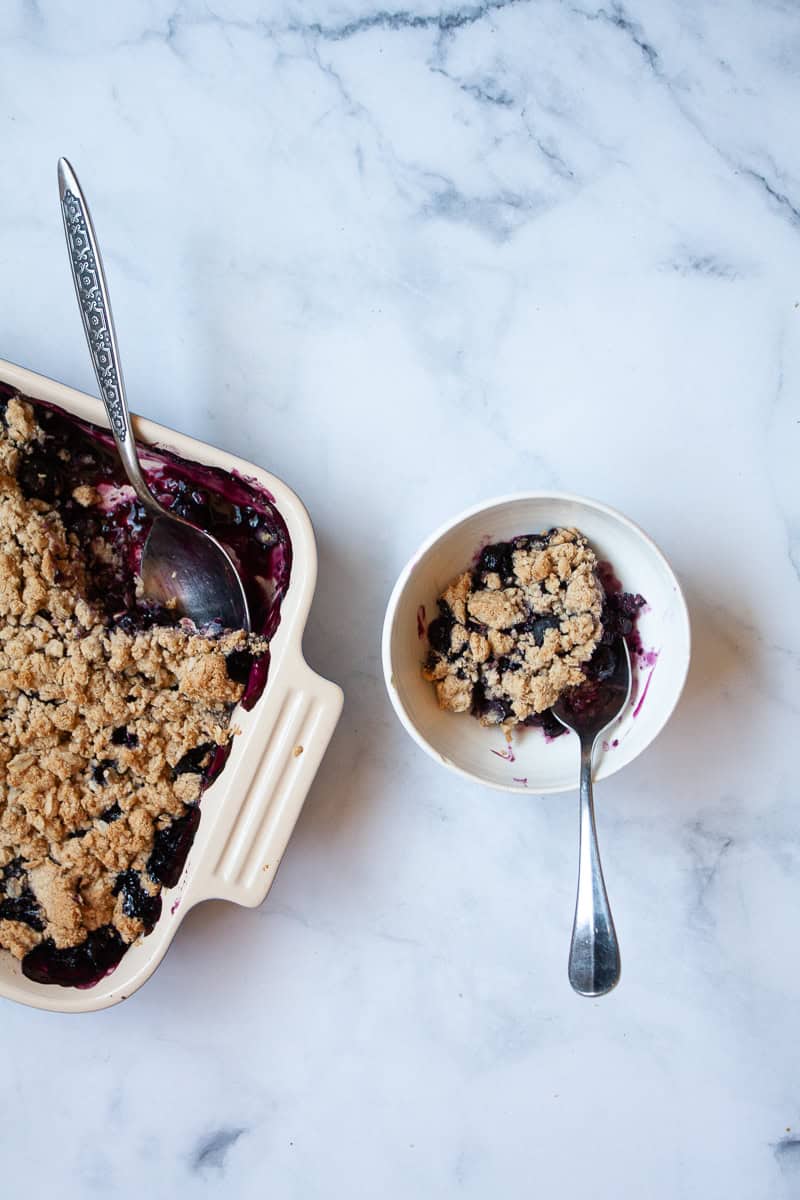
{"x":594,"y":963}
{"x":182,"y":567}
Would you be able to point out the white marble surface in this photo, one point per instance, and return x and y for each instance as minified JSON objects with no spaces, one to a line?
{"x":408,"y":258}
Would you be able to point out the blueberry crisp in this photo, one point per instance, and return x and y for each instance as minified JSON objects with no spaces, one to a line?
{"x":529,"y":621}
{"x":114,"y":714}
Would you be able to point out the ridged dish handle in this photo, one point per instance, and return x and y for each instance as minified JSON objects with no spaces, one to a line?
{"x":248,"y":839}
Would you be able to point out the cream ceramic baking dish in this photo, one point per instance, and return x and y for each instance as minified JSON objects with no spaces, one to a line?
{"x":250,"y":810}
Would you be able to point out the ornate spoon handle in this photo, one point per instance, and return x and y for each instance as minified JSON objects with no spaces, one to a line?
{"x":98,"y":324}
{"x":594,"y":963}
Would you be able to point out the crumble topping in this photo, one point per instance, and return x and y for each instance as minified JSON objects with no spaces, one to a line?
{"x":516,"y":632}
{"x":105,"y":735}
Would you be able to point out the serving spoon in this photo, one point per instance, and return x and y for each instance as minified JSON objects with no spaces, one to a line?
{"x":594,"y":963}
{"x":183,"y":566}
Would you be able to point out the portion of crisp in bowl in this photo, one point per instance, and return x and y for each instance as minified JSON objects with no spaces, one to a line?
{"x":115,"y":715}
{"x":528,"y":622}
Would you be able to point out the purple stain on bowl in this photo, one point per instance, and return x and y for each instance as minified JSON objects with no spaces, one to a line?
{"x":508,"y":754}
{"x":523,"y":780}
{"x":643,"y":697}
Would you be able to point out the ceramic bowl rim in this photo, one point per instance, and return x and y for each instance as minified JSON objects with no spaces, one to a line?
{"x":428,"y":544}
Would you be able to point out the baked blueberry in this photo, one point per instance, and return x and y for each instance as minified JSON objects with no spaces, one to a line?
{"x":195,"y":761}
{"x":122,"y":737}
{"x":497,"y":559}
{"x":136,"y":901}
{"x":538,"y":626}
{"x":99,"y":770}
{"x":439,"y":633}
{"x":238,"y":664}
{"x":24,"y":908}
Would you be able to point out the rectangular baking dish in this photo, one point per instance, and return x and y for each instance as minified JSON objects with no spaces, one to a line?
{"x":250,"y":810}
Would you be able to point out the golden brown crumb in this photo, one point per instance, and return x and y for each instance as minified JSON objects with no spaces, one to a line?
{"x":535,"y":629}
{"x":85,"y":495}
{"x":93,"y":723}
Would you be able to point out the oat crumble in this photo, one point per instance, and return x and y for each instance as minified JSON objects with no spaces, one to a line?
{"x":105,"y":735}
{"x":517,"y":631}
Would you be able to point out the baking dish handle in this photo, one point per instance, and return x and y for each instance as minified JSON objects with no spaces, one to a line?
{"x":247,"y":842}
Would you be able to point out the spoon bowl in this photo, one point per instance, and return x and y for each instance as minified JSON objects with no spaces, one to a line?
{"x":187,"y":569}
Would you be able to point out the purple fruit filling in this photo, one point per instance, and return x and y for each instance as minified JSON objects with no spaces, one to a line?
{"x":69,"y":455}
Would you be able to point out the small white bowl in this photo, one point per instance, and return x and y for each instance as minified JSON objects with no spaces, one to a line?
{"x":530,"y":762}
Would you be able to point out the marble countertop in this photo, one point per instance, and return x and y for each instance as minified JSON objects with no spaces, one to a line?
{"x":409,"y":258}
